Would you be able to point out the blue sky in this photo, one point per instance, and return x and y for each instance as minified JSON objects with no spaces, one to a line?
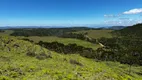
{"x":70,"y":12}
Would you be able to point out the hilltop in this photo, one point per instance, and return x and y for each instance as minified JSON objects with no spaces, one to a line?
{"x":131,"y":31}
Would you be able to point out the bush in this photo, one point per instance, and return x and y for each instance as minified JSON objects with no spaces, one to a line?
{"x":4,"y":78}
{"x":75,"y":62}
{"x":31,"y":54}
{"x":43,"y":56}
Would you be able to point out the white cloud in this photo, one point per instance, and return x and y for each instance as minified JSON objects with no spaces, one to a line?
{"x":112,"y":16}
{"x":123,"y":22}
{"x":124,"y":18}
{"x":133,"y":11}
{"x":139,"y":21}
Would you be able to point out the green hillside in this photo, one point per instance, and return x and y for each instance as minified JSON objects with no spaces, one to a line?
{"x":6,"y":33}
{"x":134,"y":31}
{"x":64,"y":41}
{"x":22,"y":60}
{"x":97,"y":33}
{"x":125,"y":46}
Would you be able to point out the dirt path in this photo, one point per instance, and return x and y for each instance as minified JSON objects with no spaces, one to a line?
{"x":101,"y":45}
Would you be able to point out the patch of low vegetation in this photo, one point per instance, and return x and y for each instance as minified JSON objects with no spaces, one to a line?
{"x":43,"y":56}
{"x":75,"y":62}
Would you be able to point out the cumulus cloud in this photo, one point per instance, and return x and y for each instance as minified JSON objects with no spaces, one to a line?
{"x":139,"y":21}
{"x":123,"y":18}
{"x":133,"y":11}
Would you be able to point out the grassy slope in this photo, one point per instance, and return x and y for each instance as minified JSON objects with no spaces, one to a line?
{"x":97,"y":33}
{"x":60,"y":40}
{"x":91,"y":33}
{"x":6,"y":33}
{"x":65,"y":41}
{"x":16,"y":65}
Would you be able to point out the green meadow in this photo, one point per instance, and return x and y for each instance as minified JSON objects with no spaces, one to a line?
{"x":64,"y":41}
{"x":17,"y":64}
{"x":97,"y":33}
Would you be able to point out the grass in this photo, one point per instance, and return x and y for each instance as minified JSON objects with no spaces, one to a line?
{"x":16,"y":65}
{"x":91,"y":33}
{"x":65,"y":41}
{"x":6,"y":33}
{"x":97,"y":33}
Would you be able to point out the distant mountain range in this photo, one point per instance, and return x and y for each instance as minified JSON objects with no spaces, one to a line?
{"x":16,"y":27}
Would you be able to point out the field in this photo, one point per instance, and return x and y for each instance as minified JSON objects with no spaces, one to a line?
{"x":6,"y":33}
{"x":16,"y":64}
{"x":65,"y":41}
{"x":91,"y":33}
{"x":97,"y":33}
{"x":105,"y":33}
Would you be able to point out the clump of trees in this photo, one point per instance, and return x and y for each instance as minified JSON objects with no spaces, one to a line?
{"x":125,"y":46}
{"x":81,"y":36}
{"x":123,"y":50}
{"x":28,"y":40}
{"x":68,"y":49}
{"x":134,"y":31}
{"x":75,"y":62}
{"x":2,"y":31}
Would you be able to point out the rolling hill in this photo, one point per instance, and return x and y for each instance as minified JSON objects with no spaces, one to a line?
{"x":22,"y":60}
{"x":96,"y":34}
{"x":131,"y":31}
{"x":65,"y":41}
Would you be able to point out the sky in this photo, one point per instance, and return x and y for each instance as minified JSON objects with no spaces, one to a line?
{"x":70,"y":12}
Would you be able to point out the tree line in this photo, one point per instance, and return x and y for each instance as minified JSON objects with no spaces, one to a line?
{"x":68,"y":49}
{"x":59,"y":32}
{"x":1,"y":30}
{"x":46,"y":31}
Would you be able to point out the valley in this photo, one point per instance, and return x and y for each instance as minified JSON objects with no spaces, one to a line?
{"x":52,"y":56}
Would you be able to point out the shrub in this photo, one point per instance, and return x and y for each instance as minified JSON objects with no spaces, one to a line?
{"x":4,"y":78}
{"x":75,"y":62}
{"x":14,"y":74}
{"x":31,"y":54}
{"x":43,"y":56}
